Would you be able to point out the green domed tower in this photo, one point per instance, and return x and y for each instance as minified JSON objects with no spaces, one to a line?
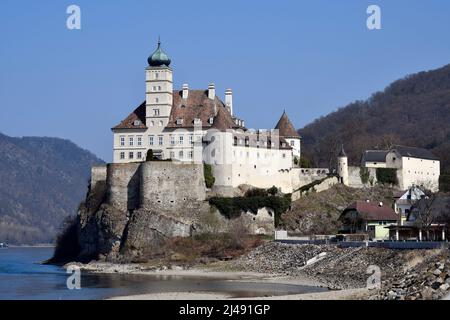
{"x":159,"y":90}
{"x":159,"y":58}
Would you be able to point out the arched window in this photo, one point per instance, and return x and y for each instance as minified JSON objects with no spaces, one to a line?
{"x":161,"y":123}
{"x":152,"y":123}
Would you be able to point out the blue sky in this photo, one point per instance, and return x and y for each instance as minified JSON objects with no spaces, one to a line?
{"x":308,"y":57}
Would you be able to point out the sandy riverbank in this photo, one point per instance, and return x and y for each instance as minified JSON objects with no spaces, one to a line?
{"x":350,"y":294}
{"x":205,"y":273}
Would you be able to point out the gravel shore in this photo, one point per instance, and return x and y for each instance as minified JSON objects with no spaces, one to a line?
{"x":404,"y":274}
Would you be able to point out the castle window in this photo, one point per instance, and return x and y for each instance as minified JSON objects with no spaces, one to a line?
{"x":161,"y":123}
{"x":160,"y":140}
{"x":190,"y":155}
{"x":180,"y":154}
{"x":150,"y":140}
{"x":191,"y":139}
{"x":131,"y":141}
{"x":130,"y":155}
{"x":137,"y":123}
{"x":122,"y":155}
{"x":122,"y":141}
{"x":139,"y":155}
{"x":154,"y":88}
{"x":172,"y":140}
{"x":156,"y":100}
{"x":159,"y":88}
{"x":156,"y":75}
{"x":284,"y":155}
{"x":181,"y":140}
{"x":235,"y":141}
{"x":152,"y":123}
{"x":156,"y":112}
{"x":139,"y":141}
{"x":197,"y":121}
{"x":211,"y":120}
{"x":179,"y":121}
{"x":292,"y":143}
{"x":172,"y":154}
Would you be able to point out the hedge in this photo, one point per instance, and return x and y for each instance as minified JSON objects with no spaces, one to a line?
{"x":387,"y":176}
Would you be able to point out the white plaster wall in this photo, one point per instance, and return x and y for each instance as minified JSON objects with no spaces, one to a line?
{"x":420,"y":172}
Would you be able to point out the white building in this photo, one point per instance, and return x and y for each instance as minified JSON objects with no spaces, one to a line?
{"x":415,"y":166}
{"x":195,"y":125}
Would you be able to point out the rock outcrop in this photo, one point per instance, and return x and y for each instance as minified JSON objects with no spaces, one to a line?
{"x":131,"y":209}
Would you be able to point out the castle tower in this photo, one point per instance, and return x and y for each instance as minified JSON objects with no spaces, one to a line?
{"x":343,"y":167}
{"x":287,"y":131}
{"x":159,"y":90}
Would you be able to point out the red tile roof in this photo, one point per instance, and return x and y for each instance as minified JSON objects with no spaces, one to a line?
{"x":196,"y":106}
{"x":286,"y":128}
{"x":372,"y":211}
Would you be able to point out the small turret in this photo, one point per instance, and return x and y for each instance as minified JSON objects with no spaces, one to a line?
{"x":342,"y":168}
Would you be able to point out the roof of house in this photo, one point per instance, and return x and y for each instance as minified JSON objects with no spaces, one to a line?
{"x":130,"y":121}
{"x":196,"y":106}
{"x":375,"y":155}
{"x":373,"y":211}
{"x":285,"y":127}
{"x":413,"y":152}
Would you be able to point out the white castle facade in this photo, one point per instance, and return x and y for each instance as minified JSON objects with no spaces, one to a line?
{"x":197,"y":126}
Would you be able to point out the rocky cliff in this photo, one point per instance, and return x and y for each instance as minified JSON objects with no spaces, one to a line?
{"x":131,"y":209}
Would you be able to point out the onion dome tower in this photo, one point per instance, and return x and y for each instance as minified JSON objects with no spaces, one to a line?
{"x":159,"y":58}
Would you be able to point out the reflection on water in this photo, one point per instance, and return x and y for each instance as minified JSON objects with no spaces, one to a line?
{"x":22,"y":277}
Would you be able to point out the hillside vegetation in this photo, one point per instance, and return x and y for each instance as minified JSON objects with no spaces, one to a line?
{"x":318,"y":213}
{"x":43,"y":181}
{"x":413,"y":111}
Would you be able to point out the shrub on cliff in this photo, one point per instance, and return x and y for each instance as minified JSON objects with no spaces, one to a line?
{"x":67,"y":247}
{"x":209,"y":177}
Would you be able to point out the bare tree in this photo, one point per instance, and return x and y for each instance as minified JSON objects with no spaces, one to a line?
{"x":423,"y":212}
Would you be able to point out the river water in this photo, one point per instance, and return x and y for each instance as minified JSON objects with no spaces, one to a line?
{"x":23,"y":277}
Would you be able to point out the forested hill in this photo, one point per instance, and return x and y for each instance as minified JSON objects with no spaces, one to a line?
{"x":413,"y":111}
{"x":42,"y":180}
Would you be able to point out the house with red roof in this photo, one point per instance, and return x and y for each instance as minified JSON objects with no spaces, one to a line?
{"x":371,"y":218}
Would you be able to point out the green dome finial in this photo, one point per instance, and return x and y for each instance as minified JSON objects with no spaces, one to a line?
{"x":159,"y":57}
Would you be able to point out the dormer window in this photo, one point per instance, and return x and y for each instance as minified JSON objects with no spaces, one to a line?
{"x":211,"y":120}
{"x":137,"y":123}
{"x":179,"y":121}
{"x":197,"y":121}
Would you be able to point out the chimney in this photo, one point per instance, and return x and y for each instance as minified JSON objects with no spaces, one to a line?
{"x":185,"y":93}
{"x":229,"y":100}
{"x":211,"y":91}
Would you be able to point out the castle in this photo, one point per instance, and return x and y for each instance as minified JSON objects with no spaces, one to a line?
{"x":196,"y":126}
